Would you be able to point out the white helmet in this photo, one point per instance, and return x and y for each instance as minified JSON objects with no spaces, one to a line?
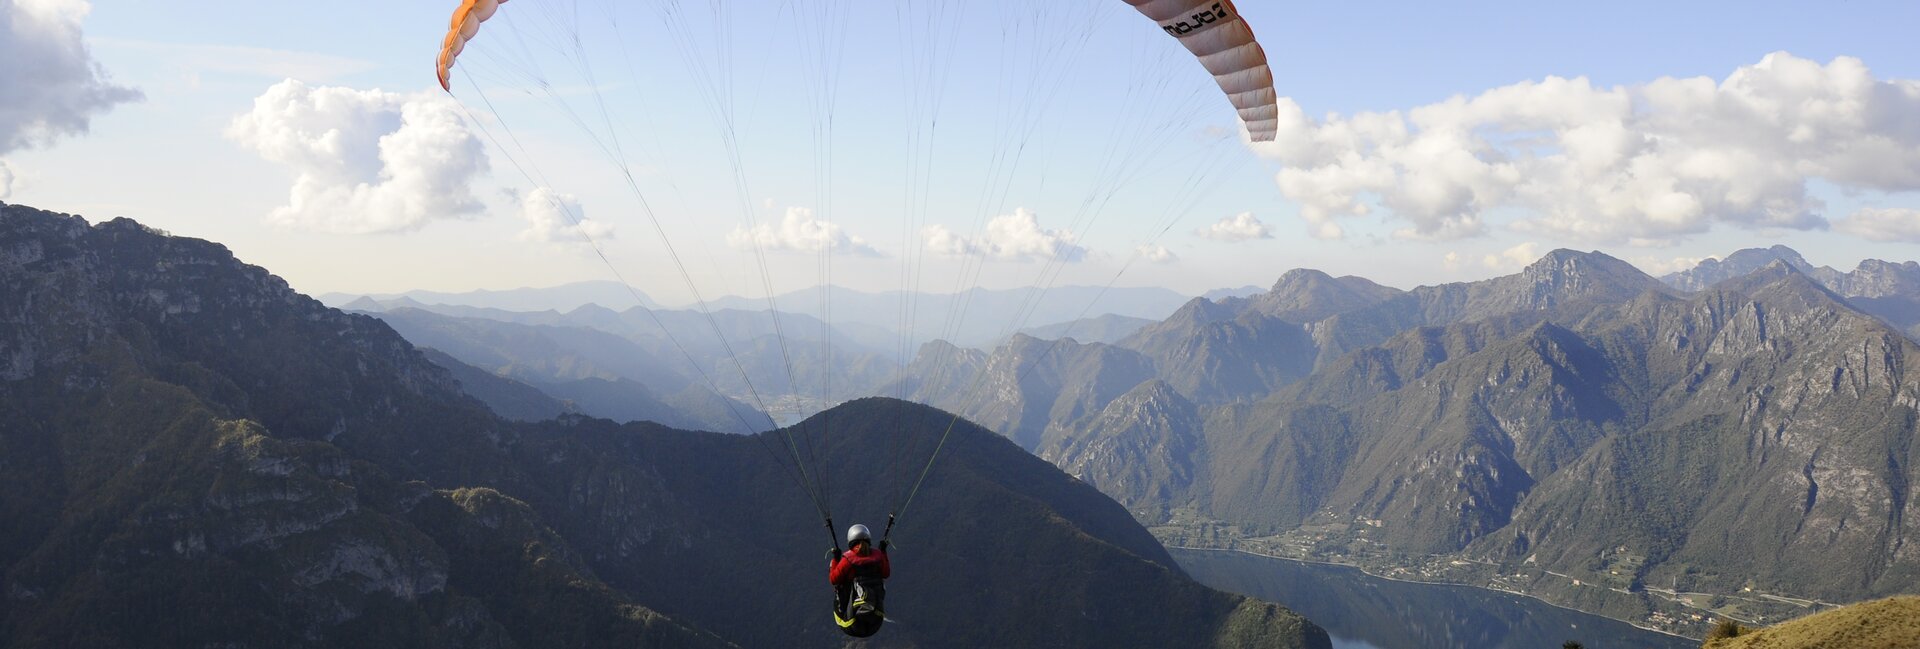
{"x":858,"y":533}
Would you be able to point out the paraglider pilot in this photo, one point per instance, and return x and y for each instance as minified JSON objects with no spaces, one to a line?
{"x":859,"y":583}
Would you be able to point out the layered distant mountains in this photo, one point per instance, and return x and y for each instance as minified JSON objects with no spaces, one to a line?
{"x":974,"y":317}
{"x":193,"y":454}
{"x":1748,"y":423}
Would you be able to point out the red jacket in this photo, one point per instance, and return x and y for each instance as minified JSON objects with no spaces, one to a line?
{"x":869,"y":563}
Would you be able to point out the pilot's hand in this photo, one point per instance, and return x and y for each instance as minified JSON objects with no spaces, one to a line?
{"x":833,"y":554}
{"x":883,"y":545}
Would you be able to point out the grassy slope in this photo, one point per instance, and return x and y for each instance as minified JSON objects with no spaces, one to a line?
{"x":1879,"y":624}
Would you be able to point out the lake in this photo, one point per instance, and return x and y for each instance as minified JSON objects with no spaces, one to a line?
{"x":1361,"y":611}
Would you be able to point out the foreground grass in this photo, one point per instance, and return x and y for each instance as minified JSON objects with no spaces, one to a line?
{"x":1880,"y":624}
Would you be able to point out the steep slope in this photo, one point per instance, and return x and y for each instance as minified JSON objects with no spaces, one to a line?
{"x":1759,"y":434}
{"x":1777,"y":449}
{"x":182,"y":442}
{"x":193,"y":454}
{"x":1143,"y":449}
{"x":1227,"y":360}
{"x":506,"y":397}
{"x":1027,"y":385}
{"x":1239,"y":349}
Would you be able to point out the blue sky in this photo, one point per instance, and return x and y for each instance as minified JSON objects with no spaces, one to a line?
{"x":175,"y":159}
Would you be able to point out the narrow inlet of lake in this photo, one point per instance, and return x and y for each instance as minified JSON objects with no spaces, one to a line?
{"x":1361,"y":611}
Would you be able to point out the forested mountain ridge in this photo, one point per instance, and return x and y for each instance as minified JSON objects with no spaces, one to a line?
{"x":191,"y":453}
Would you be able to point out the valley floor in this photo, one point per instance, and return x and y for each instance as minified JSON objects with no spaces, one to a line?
{"x":1346,"y":542}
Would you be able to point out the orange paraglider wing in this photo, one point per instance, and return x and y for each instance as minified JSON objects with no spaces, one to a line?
{"x":466,"y":22}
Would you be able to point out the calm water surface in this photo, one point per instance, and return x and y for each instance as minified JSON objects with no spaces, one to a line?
{"x":1361,"y":611}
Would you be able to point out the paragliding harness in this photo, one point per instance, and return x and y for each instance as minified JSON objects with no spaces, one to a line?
{"x":860,"y":609}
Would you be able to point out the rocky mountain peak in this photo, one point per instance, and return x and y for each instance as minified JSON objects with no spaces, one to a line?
{"x":1301,"y":277}
{"x":1564,"y":276}
{"x":1306,"y":295}
{"x":1876,"y":279}
{"x":1572,"y":267}
{"x":1741,"y":262}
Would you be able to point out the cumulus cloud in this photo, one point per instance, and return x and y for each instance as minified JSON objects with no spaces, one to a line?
{"x":1012,"y":237}
{"x":1882,"y":224}
{"x":800,"y":231}
{"x":554,"y":217}
{"x":1239,"y":227}
{"x":1512,"y":258}
{"x":6,"y":180}
{"x":52,"y":86}
{"x":365,"y":161}
{"x":1450,"y":261}
{"x":1155,"y":253}
{"x":1640,"y":164}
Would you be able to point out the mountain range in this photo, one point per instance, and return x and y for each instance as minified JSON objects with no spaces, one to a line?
{"x":977,"y":317}
{"x":1888,"y":290}
{"x":565,"y":297}
{"x":1747,"y":425}
{"x":194,"y":454}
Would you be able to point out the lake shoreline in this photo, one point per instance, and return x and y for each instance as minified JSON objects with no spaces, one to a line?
{"x":1368,"y":573}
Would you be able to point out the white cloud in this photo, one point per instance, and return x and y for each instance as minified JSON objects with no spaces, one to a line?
{"x":558,"y":218}
{"x":1512,"y":258}
{"x":1239,"y":227}
{"x":366,"y":161}
{"x":1012,"y":237}
{"x":52,"y":86}
{"x":1155,"y":253}
{"x":6,"y":180}
{"x":1450,"y":261}
{"x":799,"y":231}
{"x":1882,"y":224}
{"x":1645,"y":163}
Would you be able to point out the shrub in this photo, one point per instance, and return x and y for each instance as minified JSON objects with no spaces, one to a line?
{"x":1726,"y":629}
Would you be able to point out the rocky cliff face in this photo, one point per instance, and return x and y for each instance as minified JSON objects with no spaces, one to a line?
{"x":1776,"y":448}
{"x":1143,"y":449}
{"x":1027,"y":385}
